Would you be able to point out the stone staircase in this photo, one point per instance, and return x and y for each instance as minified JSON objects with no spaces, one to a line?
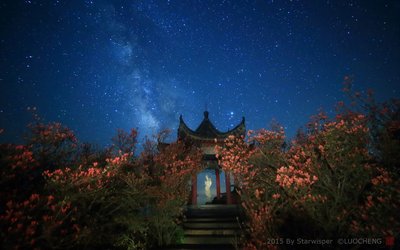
{"x":211,"y":227}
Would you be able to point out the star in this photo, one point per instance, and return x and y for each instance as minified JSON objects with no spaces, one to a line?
{"x":114,"y":64}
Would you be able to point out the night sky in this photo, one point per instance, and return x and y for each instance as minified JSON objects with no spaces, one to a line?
{"x":97,"y":66}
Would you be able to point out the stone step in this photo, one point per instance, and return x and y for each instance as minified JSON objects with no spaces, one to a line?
{"x":211,"y":225}
{"x":212,"y":211}
{"x":200,"y":247}
{"x":212,"y":232}
{"x":213,"y":206}
{"x":210,"y":219}
{"x":210,"y":240}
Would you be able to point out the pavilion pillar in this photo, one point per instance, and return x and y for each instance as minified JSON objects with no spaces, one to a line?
{"x":194,"y":189}
{"x":228,"y":188}
{"x":218,"y":183}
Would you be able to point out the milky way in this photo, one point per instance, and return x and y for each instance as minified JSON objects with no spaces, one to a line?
{"x":101,"y":65}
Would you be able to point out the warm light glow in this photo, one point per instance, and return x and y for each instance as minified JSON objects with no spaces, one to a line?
{"x":207,"y":187}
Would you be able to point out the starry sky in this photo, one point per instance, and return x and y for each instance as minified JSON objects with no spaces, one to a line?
{"x":100,"y":65}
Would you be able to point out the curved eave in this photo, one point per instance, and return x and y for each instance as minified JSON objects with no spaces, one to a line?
{"x":240,"y":129}
{"x":185,"y":131}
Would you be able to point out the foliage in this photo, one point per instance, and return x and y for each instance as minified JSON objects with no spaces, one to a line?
{"x":18,"y":172}
{"x":92,"y":198}
{"x":39,"y":221}
{"x":52,"y":144}
{"x":339,"y":178}
{"x":125,"y":142}
{"x":336,"y":180}
{"x":108,"y":197}
{"x":174,"y":165}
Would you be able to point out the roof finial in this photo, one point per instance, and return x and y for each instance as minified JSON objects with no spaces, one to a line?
{"x":205,"y":111}
{"x":205,"y":114}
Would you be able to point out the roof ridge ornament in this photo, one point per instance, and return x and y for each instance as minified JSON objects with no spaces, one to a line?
{"x":206,"y":114}
{"x":207,"y":131}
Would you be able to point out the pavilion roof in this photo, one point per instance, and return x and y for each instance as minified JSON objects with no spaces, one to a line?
{"x":207,"y":131}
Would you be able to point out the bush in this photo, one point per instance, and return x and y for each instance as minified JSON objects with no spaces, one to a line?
{"x":336,"y":180}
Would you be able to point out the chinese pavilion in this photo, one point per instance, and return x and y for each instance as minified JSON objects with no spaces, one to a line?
{"x":212,"y":185}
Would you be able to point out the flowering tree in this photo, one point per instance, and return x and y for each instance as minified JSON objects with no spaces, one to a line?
{"x":52,"y":144}
{"x":334,"y":160}
{"x":172,"y":168}
{"x":327,"y":184}
{"x":30,"y":216}
{"x":383,"y":121}
{"x":18,"y":172}
{"x":125,"y":142}
{"x":39,"y":221}
{"x":253,"y":162}
{"x":109,"y":199}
